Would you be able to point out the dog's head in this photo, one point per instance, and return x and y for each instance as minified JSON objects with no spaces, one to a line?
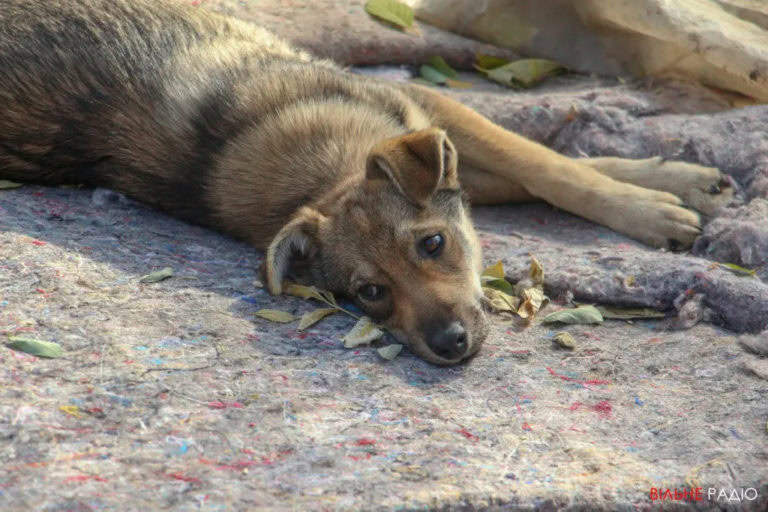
{"x":401,"y":244}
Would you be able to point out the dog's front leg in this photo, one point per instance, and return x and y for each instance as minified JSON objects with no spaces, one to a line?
{"x":498,"y":166}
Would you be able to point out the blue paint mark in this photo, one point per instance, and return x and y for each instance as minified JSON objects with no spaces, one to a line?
{"x":3,"y":303}
{"x":157,"y":360}
{"x":141,"y":348}
{"x":632,"y":449}
{"x":735,"y":434}
{"x":639,"y":402}
{"x":526,"y":401}
{"x":250,"y":300}
{"x":125,"y":402}
{"x":361,"y":377}
{"x":183,"y":448}
{"x":349,"y":306}
{"x":76,"y":401}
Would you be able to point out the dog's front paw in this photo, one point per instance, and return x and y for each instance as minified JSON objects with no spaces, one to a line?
{"x":705,"y":189}
{"x":656,"y":218}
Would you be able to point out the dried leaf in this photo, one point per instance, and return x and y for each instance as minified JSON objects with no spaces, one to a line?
{"x":524,"y":73}
{"x":155,"y":277}
{"x":421,"y":81}
{"x":740,"y":271}
{"x":564,"y":339}
{"x":440,"y":65}
{"x":537,"y":271}
{"x":390,"y":351}
{"x":533,"y":299}
{"x":35,"y":347}
{"x":7,"y":185}
{"x":500,"y":301}
{"x":364,"y":332}
{"x":629,"y":313}
{"x":580,"y":315}
{"x":309,"y":292}
{"x":311,"y":318}
{"x":457,"y":84}
{"x":275,"y":315}
{"x":430,"y":74}
{"x":488,"y":62}
{"x":391,"y":11}
{"x":495,"y":271}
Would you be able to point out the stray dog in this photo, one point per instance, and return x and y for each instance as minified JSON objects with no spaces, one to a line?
{"x":219,"y":122}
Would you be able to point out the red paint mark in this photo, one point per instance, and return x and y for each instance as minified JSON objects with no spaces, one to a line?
{"x":360,"y":457}
{"x":184,"y":478}
{"x":129,"y":361}
{"x":603,"y":409}
{"x":96,"y":410}
{"x":364,"y":441}
{"x":248,"y":452}
{"x":466,"y":433}
{"x":38,"y":243}
{"x":571,"y":379}
{"x":252,"y":424}
{"x":225,"y":405}
{"x":527,"y":427}
{"x":84,"y":478}
{"x":653,"y":340}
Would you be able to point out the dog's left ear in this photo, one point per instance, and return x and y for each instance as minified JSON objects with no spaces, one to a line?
{"x":300,"y":235}
{"x":418,"y":164}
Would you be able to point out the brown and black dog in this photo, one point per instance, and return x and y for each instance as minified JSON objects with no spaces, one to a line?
{"x":220,"y":123}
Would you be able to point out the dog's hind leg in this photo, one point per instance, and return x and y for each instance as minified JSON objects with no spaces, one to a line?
{"x":704,"y":189}
{"x":655,"y":217}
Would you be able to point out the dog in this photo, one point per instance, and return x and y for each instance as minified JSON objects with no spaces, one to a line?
{"x":219,"y":122}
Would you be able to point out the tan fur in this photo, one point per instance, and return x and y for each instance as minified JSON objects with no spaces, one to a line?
{"x":221,"y":123}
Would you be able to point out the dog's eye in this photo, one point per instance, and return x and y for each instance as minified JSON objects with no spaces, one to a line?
{"x":432,"y":246}
{"x":371,"y":292}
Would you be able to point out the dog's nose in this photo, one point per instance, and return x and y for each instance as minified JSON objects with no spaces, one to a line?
{"x":449,"y":342}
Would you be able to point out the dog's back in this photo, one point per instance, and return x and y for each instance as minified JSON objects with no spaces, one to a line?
{"x":150,"y":97}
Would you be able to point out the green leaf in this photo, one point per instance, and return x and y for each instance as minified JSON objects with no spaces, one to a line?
{"x":432,"y":75}
{"x":629,"y":313}
{"x":364,"y":332}
{"x":487,"y":62}
{"x":495,"y":271}
{"x":160,"y":275}
{"x":500,"y":284}
{"x":391,"y":11}
{"x":311,"y":318}
{"x":390,"y":351}
{"x":37,"y":348}
{"x":564,"y":339}
{"x":275,"y":315}
{"x":741,"y":271}
{"x":524,"y":73}
{"x":439,"y":64}
{"x":421,"y":81}
{"x":6,"y":185}
{"x":580,"y":315}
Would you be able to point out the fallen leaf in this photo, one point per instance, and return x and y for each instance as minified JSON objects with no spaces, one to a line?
{"x":533,"y":299}
{"x":275,"y":315}
{"x":430,"y":74}
{"x":495,"y":271}
{"x":486,"y":63}
{"x":500,"y":284}
{"x":741,"y":271}
{"x":72,"y":410}
{"x":523,"y":73}
{"x":155,"y":277}
{"x":457,"y":84}
{"x":364,"y":332}
{"x":311,"y":318}
{"x":392,"y":11}
{"x":439,"y":64}
{"x":390,"y":351}
{"x":580,"y":315}
{"x":7,"y":185}
{"x":500,"y":301}
{"x":258,"y":284}
{"x":301,"y":291}
{"x":35,"y":347}
{"x":421,"y":81}
{"x":564,"y":339}
{"x":536,"y":271}
{"x":629,"y":313}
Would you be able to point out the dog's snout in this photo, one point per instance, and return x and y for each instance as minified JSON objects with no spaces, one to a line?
{"x":448,"y":342}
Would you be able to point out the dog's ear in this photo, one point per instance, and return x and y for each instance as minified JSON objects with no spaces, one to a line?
{"x":418,"y":164}
{"x":300,"y":235}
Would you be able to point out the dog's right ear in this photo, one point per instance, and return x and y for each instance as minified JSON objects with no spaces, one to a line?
{"x":300,"y":235}
{"x":417,"y":163}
